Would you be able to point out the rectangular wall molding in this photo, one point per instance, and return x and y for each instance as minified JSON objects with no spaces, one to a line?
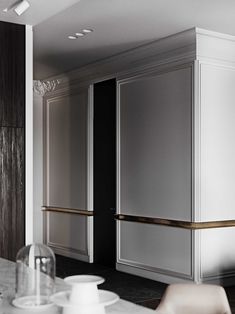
{"x":67,"y":174}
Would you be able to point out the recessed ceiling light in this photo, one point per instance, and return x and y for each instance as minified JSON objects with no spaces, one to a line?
{"x":72,"y":37}
{"x":87,"y":30}
{"x":5,"y":10}
{"x":84,"y":32}
{"x":79,"y":34}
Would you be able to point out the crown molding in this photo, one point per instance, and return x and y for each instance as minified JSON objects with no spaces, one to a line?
{"x":215,"y":47}
{"x":187,"y":46}
{"x":181,"y":46}
{"x":205,"y":32}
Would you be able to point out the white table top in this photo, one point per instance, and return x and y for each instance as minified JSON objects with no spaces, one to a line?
{"x":7,"y":287}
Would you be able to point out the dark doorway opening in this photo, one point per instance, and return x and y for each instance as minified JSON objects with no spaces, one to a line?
{"x":105,"y":172}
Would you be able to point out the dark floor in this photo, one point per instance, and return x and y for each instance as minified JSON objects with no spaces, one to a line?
{"x":131,"y":288}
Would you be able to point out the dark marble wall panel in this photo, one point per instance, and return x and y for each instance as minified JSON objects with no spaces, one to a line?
{"x":12,"y":116}
{"x":12,"y":74}
{"x":11,"y":191}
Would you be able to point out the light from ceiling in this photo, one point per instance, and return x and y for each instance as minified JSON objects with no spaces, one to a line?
{"x":87,"y":30}
{"x":22,"y":7}
{"x":80,"y":34}
{"x":84,"y":32}
{"x":72,"y":37}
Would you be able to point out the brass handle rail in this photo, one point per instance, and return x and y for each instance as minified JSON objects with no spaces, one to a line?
{"x":81,"y":212}
{"x":176,"y":223}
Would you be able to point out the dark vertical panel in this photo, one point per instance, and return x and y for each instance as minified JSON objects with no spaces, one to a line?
{"x":105,"y":172}
{"x":12,"y":116}
{"x":12,"y":74}
{"x":11,"y":191}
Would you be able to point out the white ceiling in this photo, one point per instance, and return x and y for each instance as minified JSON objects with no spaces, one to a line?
{"x":118,"y":25}
{"x":40,"y":10}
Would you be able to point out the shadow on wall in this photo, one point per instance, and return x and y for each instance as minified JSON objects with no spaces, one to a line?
{"x":223,"y":275}
{"x":59,"y":63}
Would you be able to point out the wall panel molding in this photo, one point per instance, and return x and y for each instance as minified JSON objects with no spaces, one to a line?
{"x":158,"y":276}
{"x":145,"y":255}
{"x":63,"y":238}
{"x":185,"y":70}
{"x":68,"y":171}
{"x":63,"y":110}
{"x":176,"y":49}
{"x":136,"y":252}
{"x":157,"y":270}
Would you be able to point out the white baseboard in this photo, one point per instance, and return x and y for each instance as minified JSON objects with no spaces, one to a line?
{"x":224,"y":281}
{"x":149,"y":274}
{"x":71,"y":254}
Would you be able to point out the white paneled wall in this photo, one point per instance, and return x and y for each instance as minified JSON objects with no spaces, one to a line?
{"x":175,"y":158}
{"x":217,"y":142}
{"x":66,"y":174}
{"x":156,"y":248}
{"x":155,"y":170}
{"x":155,"y":144}
{"x":67,"y":234}
{"x":38,"y":168}
{"x":67,"y":151}
{"x":217,"y":253}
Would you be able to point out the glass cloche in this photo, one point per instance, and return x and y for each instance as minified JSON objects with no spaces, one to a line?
{"x":35,"y":277}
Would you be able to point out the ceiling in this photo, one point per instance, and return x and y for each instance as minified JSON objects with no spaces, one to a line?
{"x":118,"y":25}
{"x":39,"y":11}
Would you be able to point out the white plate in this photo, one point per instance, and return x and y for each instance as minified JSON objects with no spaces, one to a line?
{"x":105,"y":298}
{"x":29,"y":303}
{"x":84,"y":279}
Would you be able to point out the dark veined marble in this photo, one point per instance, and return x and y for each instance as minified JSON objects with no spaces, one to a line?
{"x":12,"y":121}
{"x":12,"y":75}
{"x":12,"y":213}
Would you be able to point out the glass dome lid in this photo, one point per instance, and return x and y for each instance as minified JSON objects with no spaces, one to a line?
{"x":35,"y":277}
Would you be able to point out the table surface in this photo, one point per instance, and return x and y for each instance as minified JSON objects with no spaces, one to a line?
{"x":7,"y":288}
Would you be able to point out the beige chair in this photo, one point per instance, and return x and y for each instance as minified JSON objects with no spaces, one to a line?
{"x":194,"y":299}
